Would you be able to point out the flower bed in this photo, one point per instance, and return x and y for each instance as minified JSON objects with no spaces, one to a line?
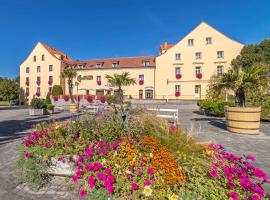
{"x":148,"y":160}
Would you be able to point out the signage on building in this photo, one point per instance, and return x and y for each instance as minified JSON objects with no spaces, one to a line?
{"x":86,"y":77}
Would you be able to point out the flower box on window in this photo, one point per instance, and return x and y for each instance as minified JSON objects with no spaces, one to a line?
{"x":177,"y":94}
{"x":66,"y":98}
{"x":102,"y":99}
{"x":50,"y":82}
{"x":37,"y":94}
{"x":27,"y":94}
{"x":98,"y":82}
{"x":199,"y":75}
{"x":55,"y":98}
{"x":38,"y":82}
{"x":141,"y":82}
{"x":220,"y":74}
{"x":27,"y":83}
{"x":89,"y":98}
{"x":178,"y":76}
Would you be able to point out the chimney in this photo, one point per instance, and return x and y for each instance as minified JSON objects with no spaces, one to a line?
{"x":165,"y":45}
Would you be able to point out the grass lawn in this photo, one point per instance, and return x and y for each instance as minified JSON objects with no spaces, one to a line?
{"x":4,"y":103}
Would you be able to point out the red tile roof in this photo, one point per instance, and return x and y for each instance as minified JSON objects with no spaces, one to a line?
{"x":165,"y":46}
{"x":128,"y":62}
{"x":53,"y":51}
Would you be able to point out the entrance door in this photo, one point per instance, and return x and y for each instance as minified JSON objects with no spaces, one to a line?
{"x":197,"y":91}
{"x":149,"y":94}
{"x":140,"y":94}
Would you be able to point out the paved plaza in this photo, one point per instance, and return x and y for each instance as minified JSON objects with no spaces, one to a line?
{"x":15,"y":123}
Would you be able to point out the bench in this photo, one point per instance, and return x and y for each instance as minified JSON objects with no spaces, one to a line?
{"x":173,"y":112}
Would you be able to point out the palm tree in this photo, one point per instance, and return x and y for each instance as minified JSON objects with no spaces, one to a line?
{"x":70,"y":73}
{"x":120,"y":80}
{"x":240,"y":79}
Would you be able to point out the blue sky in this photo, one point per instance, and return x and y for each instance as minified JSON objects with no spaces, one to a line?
{"x":87,"y":29}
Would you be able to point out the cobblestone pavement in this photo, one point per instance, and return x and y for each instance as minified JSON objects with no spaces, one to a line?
{"x":14,"y":124}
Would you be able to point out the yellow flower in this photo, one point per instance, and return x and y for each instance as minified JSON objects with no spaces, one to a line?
{"x":128,"y":172}
{"x":151,"y":155}
{"x":209,"y":152}
{"x":147,"y":191}
{"x":173,"y":197}
{"x":57,"y":126}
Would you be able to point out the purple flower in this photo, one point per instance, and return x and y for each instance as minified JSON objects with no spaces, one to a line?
{"x":129,"y":177}
{"x":82,"y":193}
{"x":250,"y":157}
{"x":234,"y":196}
{"x":134,"y":186}
{"x":139,"y":173}
{"x":147,"y":183}
{"x":150,"y":171}
{"x":131,"y":169}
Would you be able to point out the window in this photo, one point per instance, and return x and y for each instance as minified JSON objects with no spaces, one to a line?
{"x":50,"y":89}
{"x":27,"y":79}
{"x":38,"y":80}
{"x":38,"y":89}
{"x":27,"y":69}
{"x":146,"y":63}
{"x":220,"y":70}
{"x":198,"y":70}
{"x":177,"y":56}
{"x":42,"y":57}
{"x":27,"y":90}
{"x":38,"y":68}
{"x":98,"y":65}
{"x":141,"y":77}
{"x":190,"y":42}
{"x":50,"y":68}
{"x":198,"y":55}
{"x":50,"y":78}
{"x":177,"y":70}
{"x":114,"y":64}
{"x":197,"y":89}
{"x":34,"y":58}
{"x":177,"y":88}
{"x":208,"y":40}
{"x":98,"y":78}
{"x":220,"y":54}
{"x":80,"y":66}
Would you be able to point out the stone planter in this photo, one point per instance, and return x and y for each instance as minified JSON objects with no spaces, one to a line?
{"x":73,"y":108}
{"x":33,"y":112}
{"x":243,"y":120}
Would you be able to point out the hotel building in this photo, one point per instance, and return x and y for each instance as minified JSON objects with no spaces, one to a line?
{"x":180,"y":71}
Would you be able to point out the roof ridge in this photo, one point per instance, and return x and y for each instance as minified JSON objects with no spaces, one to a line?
{"x":116,"y":58}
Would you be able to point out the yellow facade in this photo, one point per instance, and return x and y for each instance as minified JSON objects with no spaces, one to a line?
{"x":160,"y":79}
{"x":166,"y":63}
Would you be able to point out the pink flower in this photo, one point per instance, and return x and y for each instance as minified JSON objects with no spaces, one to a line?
{"x":82,"y":193}
{"x":250,"y":157}
{"x":213,"y":173}
{"x":147,"y":183}
{"x":134,"y":186}
{"x":255,"y":197}
{"x":110,"y":189}
{"x":91,"y":182}
{"x":108,"y":171}
{"x":75,"y":179}
{"x":27,"y":155}
{"x":150,"y":171}
{"x":234,"y":196}
{"x":139,"y":173}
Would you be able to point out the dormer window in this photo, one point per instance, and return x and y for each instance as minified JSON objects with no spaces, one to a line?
{"x":42,"y":57}
{"x":98,"y":65}
{"x":62,"y":57}
{"x":146,"y":63}
{"x":115,"y":64}
{"x":80,"y":66}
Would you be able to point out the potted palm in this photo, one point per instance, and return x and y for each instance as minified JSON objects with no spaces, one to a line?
{"x":241,"y":118}
{"x":118,"y":81}
{"x":70,"y":74}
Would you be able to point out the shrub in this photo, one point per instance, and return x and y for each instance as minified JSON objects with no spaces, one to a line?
{"x":48,"y":100}
{"x":57,"y":90}
{"x":38,"y":103}
{"x":50,"y":106}
{"x":110,"y":99}
{"x":214,"y":107}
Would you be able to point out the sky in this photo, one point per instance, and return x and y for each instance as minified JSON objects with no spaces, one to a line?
{"x":88,"y":29}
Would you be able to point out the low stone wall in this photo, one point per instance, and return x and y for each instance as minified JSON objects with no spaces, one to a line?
{"x":162,"y":101}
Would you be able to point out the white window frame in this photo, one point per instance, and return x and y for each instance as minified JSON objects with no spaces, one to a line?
{"x":198,"y":70}
{"x":34,"y":58}
{"x":178,"y":70}
{"x":178,"y":56}
{"x":50,"y":68}
{"x":38,"y":69}
{"x":141,"y":77}
{"x":42,"y":57}
{"x":177,"y":88}
{"x":146,"y":63}
{"x":198,"y":55}
{"x":220,"y":54}
{"x":98,"y":78}
{"x":220,"y":67}
{"x":98,"y":65}
{"x":114,"y":64}
{"x":27,"y":70}
{"x":208,"y":40}
{"x":190,"y":42}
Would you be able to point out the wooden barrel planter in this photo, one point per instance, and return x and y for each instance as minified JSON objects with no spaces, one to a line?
{"x":243,"y":120}
{"x":73,"y":108}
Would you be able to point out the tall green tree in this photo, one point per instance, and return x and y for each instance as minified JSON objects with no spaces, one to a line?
{"x":70,"y":73}
{"x":9,"y":89}
{"x":118,"y":81}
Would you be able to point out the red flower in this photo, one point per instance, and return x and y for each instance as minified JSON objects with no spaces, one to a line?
{"x":27,"y":83}
{"x":177,"y":94}
{"x":38,"y":94}
{"x":178,"y":76}
{"x":27,"y":155}
{"x":102,"y":99}
{"x":199,"y":75}
{"x":134,"y":186}
{"x":89,"y":98}
{"x":50,"y":82}
{"x":98,"y":82}
{"x":141,"y":82}
{"x":55,"y":98}
{"x":66,"y":98}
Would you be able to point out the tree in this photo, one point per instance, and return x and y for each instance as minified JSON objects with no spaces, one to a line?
{"x":70,"y":74}
{"x":57,"y":90}
{"x":9,"y":90}
{"x":240,"y":79}
{"x":120,"y":80}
